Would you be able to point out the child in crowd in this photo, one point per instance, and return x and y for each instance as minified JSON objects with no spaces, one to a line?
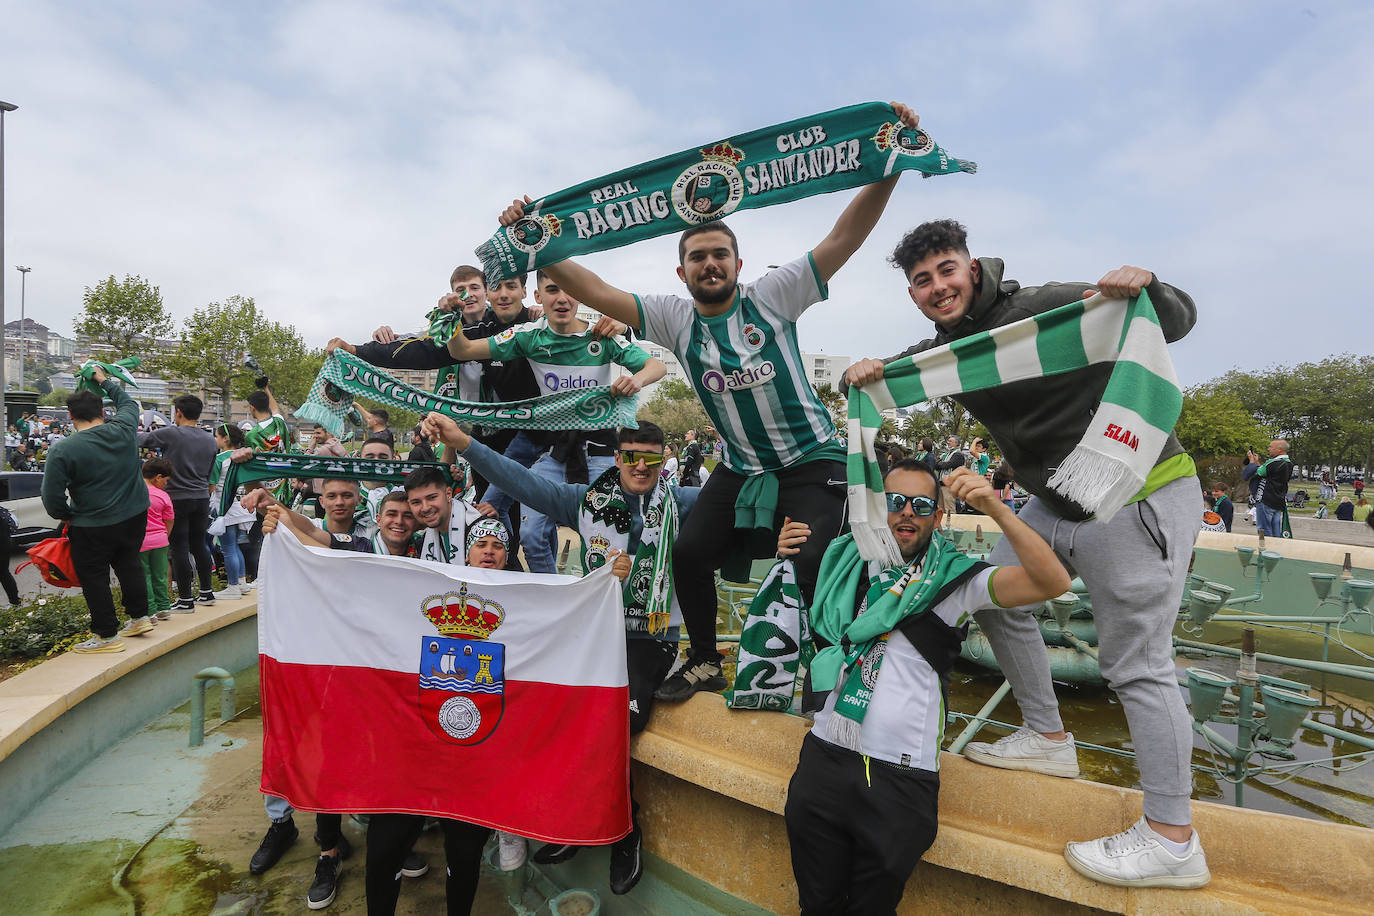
{"x":156,"y":473}
{"x":228,"y":437}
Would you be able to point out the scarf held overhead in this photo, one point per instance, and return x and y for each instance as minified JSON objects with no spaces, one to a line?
{"x":830,"y":151}
{"x":1140,"y":403}
{"x":344,"y":375}
{"x":275,"y":465}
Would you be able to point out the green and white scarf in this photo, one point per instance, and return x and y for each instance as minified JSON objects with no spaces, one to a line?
{"x":830,"y":151}
{"x":344,"y":375}
{"x":898,"y":592}
{"x":269,"y":466}
{"x":603,"y":522}
{"x":119,"y":369}
{"x":1139,"y":406}
{"x":773,"y":645}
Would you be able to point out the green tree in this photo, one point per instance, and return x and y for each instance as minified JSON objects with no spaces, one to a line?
{"x":675,"y":408}
{"x":57,"y":397}
{"x":126,"y":314}
{"x":836,"y":403}
{"x":215,"y":340}
{"x":1215,"y":422}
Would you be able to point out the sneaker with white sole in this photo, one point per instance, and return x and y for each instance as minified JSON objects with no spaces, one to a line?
{"x":229,"y":593}
{"x":99,"y":644}
{"x":164,"y":615}
{"x":512,"y":850}
{"x":205,"y":597}
{"x":1136,"y":858}
{"x":136,"y":626}
{"x":695,"y":674}
{"x":183,"y":606}
{"x":415,"y":865}
{"x":1027,"y":749}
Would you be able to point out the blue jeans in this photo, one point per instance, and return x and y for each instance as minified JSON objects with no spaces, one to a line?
{"x":233,"y":556}
{"x":1268,"y":520}
{"x":539,"y":535}
{"x":523,"y":452}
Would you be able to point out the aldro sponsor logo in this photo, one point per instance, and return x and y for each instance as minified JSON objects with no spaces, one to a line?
{"x":712,"y":188}
{"x":555,"y":382}
{"x":743,"y":378}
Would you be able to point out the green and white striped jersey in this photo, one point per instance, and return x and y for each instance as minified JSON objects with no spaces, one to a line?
{"x":746,"y":367}
{"x":566,"y":362}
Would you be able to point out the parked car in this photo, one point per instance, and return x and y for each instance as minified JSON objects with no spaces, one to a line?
{"x":19,"y":493}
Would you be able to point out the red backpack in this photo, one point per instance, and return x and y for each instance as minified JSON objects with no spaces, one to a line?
{"x":53,"y":557}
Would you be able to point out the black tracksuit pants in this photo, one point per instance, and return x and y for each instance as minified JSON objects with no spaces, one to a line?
{"x":857,"y":828}
{"x":389,"y":840}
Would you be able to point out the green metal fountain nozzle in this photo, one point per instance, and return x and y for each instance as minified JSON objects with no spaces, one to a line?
{"x":1224,"y":592}
{"x":1206,"y":690}
{"x":1195,"y":581}
{"x":1283,"y":682}
{"x":1063,"y":607}
{"x":1245,"y":555}
{"x":1360,"y":592}
{"x":1271,"y":559}
{"x":1202,"y":605}
{"x":1284,"y":710}
{"x":1322,"y":583}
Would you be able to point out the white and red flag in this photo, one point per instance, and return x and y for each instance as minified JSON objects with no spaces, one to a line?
{"x":392,"y":684}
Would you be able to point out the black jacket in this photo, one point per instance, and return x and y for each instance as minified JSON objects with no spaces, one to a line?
{"x":1037,"y":422}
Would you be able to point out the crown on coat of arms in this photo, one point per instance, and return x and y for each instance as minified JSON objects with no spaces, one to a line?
{"x":461,"y":614}
{"x":722,"y":152}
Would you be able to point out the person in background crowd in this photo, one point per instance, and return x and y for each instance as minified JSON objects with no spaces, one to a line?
{"x":161,"y":516}
{"x":1222,"y":504}
{"x":107,"y":513}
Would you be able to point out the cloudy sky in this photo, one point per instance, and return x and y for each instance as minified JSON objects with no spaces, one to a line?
{"x":335,"y":160}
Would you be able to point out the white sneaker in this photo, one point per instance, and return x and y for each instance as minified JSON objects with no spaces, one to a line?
{"x":513,"y":850}
{"x":1027,"y":749}
{"x":1136,"y":858}
{"x":229,"y":593}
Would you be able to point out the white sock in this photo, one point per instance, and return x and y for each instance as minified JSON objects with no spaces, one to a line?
{"x":1178,"y":849}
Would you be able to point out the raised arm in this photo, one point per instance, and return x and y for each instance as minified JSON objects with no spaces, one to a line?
{"x":580,"y":283}
{"x":652,"y":371}
{"x":1041,"y":576}
{"x":463,"y":348}
{"x":859,"y":218}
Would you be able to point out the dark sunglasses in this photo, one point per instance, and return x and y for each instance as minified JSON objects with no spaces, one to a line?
{"x":632,"y":457}
{"x":921,"y":506}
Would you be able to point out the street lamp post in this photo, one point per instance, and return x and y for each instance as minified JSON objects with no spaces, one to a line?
{"x":23,"y":331}
{"x":4,"y":107}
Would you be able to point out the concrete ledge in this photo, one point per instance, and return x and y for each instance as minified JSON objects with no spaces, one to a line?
{"x":1002,"y":830}
{"x":34,"y":699}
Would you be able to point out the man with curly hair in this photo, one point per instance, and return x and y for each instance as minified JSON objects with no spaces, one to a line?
{"x":1135,"y":565}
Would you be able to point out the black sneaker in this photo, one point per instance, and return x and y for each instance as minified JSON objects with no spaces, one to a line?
{"x":414,"y":865}
{"x":206,"y":597}
{"x":184,"y":606}
{"x":279,"y":838}
{"x":627,"y":865}
{"x":695,"y":674}
{"x":326,"y":884}
{"x":554,"y":853}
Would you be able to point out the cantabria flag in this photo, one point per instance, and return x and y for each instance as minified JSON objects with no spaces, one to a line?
{"x":1139,"y":406}
{"x":492,"y":697}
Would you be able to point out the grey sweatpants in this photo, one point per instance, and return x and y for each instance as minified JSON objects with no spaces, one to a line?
{"x":1135,"y":568}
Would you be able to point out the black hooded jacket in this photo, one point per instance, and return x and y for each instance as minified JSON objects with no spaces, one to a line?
{"x":1037,"y":422}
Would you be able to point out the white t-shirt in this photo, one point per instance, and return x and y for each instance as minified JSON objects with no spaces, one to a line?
{"x":450,"y":546}
{"x":905,"y":722}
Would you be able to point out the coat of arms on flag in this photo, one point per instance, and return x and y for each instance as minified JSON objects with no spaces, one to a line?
{"x":462,"y":675}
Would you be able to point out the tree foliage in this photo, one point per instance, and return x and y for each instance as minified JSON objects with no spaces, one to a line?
{"x":1215,"y":422}
{"x":57,"y":397}
{"x":675,"y":408}
{"x":125,"y":314}
{"x":215,"y":340}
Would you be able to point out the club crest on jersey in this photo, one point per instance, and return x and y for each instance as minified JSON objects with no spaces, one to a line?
{"x":907,"y":141}
{"x":753,"y":337}
{"x":712,"y":188}
{"x":531,"y":233}
{"x":462,"y":674}
{"x":594,"y":347}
